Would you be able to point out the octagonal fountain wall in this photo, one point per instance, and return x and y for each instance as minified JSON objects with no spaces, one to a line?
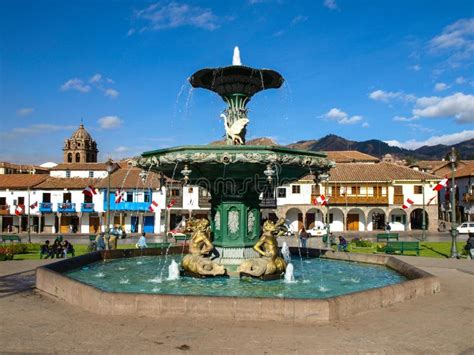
{"x":53,"y":279}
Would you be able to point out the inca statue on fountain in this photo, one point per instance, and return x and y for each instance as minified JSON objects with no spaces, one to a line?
{"x":198,"y":261}
{"x":270,"y":263}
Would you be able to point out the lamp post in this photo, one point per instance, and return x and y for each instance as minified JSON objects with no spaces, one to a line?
{"x":325,"y":178}
{"x":454,"y":232}
{"x":423,"y":217}
{"x":110,"y":167}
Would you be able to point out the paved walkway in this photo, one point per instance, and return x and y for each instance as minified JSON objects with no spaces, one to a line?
{"x":438,"y":324}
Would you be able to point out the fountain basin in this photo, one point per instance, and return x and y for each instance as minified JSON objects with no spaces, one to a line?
{"x":53,"y":280}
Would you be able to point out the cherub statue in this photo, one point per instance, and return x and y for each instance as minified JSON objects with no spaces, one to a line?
{"x":200,"y":246}
{"x":267,"y":246}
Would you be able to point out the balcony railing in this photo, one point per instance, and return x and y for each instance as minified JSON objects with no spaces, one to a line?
{"x":45,"y":207}
{"x":87,"y":207}
{"x":398,"y":200}
{"x":66,"y":207}
{"x":128,"y":206}
{"x":356,"y":200}
{"x":4,"y":209}
{"x":204,"y":202}
{"x":268,"y":202}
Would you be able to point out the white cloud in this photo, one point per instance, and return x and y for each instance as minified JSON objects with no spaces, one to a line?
{"x":456,"y":39}
{"x":404,"y":119}
{"x":386,"y":96}
{"x":341,"y":117}
{"x":39,"y":129}
{"x":165,"y":15}
{"x":460,"y":80}
{"x":459,"y":105}
{"x":330,"y":4}
{"x":415,"y":67}
{"x":111,"y":93}
{"x":365,"y":125}
{"x":447,"y":139}
{"x":95,"y":78}
{"x":441,"y":86}
{"x":75,"y":84}
{"x":25,"y":111}
{"x":299,"y":19}
{"x":110,"y":122}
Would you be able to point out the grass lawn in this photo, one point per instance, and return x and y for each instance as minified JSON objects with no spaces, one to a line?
{"x":427,"y":249}
{"x":80,"y":249}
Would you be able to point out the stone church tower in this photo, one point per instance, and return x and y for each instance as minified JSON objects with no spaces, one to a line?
{"x":80,"y":148}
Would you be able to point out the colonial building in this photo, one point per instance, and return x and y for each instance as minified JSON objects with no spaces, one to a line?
{"x":80,"y":148}
{"x":362,"y":197}
{"x":10,"y":168}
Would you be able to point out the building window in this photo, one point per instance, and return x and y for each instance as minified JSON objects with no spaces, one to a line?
{"x":91,"y":174}
{"x":355,"y":190}
{"x":147,"y":197}
{"x":175,"y":192}
{"x":295,"y":189}
{"x":78,"y":157}
{"x":21,"y":200}
{"x":281,"y":192}
{"x":68,"y":173}
{"x":418,"y":189}
{"x":398,"y":190}
{"x":129,"y":196}
{"x":331,"y":218}
{"x":46,"y":197}
{"x":69,"y":158}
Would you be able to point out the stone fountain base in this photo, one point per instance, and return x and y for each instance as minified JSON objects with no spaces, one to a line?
{"x":235,"y":256}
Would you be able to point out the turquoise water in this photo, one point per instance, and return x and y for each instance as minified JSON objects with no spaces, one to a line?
{"x":314,"y":278}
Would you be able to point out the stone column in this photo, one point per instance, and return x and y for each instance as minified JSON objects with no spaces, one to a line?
{"x":40,"y":216}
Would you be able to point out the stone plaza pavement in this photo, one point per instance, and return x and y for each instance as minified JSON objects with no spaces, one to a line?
{"x":32,"y":322}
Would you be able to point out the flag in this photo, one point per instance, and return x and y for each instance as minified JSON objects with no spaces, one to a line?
{"x":407,"y":204}
{"x":19,"y":210}
{"x":34,"y":205}
{"x":343,"y":191}
{"x":171,"y":204}
{"x":153,"y":206}
{"x":120,"y":195}
{"x":442,"y":184}
{"x":431,"y":199}
{"x":321,"y":200}
{"x":89,"y":191}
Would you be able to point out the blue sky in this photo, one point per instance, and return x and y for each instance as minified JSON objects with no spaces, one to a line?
{"x":399,"y":71}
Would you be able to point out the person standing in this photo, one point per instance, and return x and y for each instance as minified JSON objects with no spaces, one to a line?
{"x":303,"y":237}
{"x":469,"y":247}
{"x":142,"y":242}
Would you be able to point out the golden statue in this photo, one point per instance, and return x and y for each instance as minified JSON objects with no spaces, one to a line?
{"x":200,"y":246}
{"x":267,"y":246}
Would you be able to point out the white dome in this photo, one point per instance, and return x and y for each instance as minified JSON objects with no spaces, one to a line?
{"x":49,"y":164}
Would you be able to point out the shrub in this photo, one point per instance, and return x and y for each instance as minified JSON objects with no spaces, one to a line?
{"x":362,"y":243}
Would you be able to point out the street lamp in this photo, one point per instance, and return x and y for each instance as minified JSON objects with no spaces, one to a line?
{"x":110,"y":167}
{"x":325,"y":178}
{"x":423,"y":217}
{"x":454,"y":232}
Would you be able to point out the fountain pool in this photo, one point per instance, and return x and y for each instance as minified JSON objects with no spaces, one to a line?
{"x":322,"y":278}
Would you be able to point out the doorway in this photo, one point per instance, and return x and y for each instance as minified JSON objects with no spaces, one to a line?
{"x":352,"y":222}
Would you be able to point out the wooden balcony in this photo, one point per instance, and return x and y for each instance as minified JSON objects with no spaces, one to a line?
{"x":398,"y":200}
{"x":204,"y":202}
{"x":357,"y":200}
{"x":4,"y":210}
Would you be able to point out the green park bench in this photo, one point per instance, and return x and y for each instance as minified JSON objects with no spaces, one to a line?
{"x":10,"y":238}
{"x":158,"y":245}
{"x":92,"y":237}
{"x":386,"y":237}
{"x":393,"y":247}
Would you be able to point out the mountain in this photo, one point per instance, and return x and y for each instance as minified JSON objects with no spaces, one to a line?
{"x":379,"y":148}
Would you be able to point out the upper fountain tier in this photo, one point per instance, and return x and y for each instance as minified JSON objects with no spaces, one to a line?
{"x":236,"y":79}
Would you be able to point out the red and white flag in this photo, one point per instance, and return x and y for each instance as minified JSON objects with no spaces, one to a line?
{"x":120,"y":195}
{"x":441,"y":185}
{"x":321,"y":200}
{"x":34,"y":205}
{"x":153,"y":207}
{"x":19,"y":210}
{"x":89,"y":191}
{"x":407,"y":204}
{"x":171,"y":204}
{"x":431,"y":199}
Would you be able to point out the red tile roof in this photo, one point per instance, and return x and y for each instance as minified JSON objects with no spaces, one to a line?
{"x":81,"y":166}
{"x":351,"y":156}
{"x":67,"y":183}
{"x":130,"y":179}
{"x":21,"y":181}
{"x":465,"y":171}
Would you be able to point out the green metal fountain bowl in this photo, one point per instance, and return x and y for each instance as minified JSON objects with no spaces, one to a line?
{"x":238,"y":162}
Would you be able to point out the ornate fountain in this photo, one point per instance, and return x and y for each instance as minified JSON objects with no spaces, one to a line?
{"x":235,"y":174}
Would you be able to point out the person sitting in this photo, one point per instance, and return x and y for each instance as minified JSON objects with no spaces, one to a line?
{"x":142,"y":242}
{"x":100,"y":241}
{"x":57,"y":249}
{"x":45,"y":249}
{"x":469,"y":247}
{"x":342,"y":246}
{"x":67,"y":249}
